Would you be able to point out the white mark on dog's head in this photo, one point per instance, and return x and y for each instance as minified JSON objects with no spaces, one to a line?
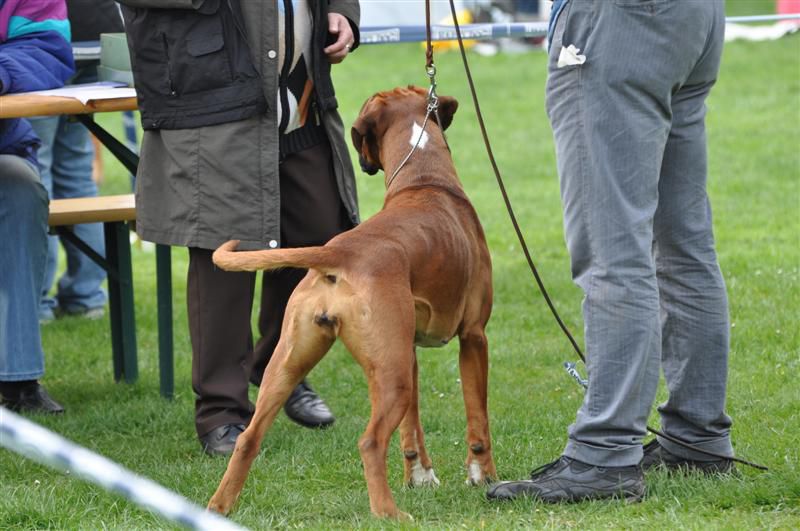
{"x":418,"y":135}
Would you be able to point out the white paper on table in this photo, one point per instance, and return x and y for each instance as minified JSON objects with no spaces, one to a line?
{"x":85,"y":92}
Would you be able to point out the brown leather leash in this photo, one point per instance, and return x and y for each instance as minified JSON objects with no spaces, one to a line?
{"x":432,"y":99}
{"x":570,"y":367}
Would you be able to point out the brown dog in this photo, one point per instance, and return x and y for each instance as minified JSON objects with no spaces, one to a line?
{"x":418,"y":273}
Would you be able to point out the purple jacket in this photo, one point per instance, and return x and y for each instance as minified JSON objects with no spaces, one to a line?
{"x":35,"y":54}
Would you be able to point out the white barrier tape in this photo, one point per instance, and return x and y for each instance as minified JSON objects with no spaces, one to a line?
{"x":445,"y":32}
{"x":764,"y":18}
{"x":33,"y":441}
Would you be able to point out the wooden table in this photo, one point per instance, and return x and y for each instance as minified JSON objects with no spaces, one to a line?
{"x":121,"y":308}
{"x":26,"y":105}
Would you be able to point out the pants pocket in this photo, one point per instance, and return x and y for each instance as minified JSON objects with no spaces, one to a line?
{"x":555,"y":16}
{"x":638,"y":3}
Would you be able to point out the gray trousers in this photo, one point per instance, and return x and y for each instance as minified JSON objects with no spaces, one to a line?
{"x":629,"y":129}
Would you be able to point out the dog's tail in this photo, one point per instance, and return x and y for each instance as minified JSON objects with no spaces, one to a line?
{"x":320,"y":258}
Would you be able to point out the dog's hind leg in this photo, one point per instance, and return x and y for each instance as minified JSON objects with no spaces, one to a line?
{"x":390,"y":393}
{"x":474,"y":365}
{"x":417,"y":464}
{"x":384,"y":350}
{"x":303,"y":343}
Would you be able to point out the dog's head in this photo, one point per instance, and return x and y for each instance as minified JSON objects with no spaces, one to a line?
{"x":382,"y":110}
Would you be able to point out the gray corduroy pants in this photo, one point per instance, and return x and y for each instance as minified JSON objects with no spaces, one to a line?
{"x":629,"y":129}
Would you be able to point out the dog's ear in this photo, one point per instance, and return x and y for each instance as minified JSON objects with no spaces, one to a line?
{"x":366,"y":143}
{"x":447,"y":108}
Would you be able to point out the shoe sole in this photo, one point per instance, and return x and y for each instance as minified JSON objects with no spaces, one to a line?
{"x":320,"y":426}
{"x":629,"y":498}
{"x":689,"y":468}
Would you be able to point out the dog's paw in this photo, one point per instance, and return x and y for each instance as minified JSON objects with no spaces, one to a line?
{"x":404,"y":517}
{"x":216,"y":507}
{"x":475,"y":475}
{"x":422,"y":477}
{"x":395,"y":514}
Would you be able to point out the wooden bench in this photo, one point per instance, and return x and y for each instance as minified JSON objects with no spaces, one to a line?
{"x":117,"y":213}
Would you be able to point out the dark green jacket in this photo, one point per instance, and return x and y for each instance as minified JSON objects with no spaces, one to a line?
{"x":202,"y":186}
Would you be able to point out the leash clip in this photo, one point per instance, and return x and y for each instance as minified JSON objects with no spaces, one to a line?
{"x":431,"y":70}
{"x":433,"y":98}
{"x":573,"y":371}
{"x":433,"y":104}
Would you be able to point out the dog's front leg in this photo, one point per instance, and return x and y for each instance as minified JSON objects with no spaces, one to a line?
{"x":474,"y":366}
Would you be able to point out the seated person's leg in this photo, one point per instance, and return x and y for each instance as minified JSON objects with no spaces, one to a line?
{"x":23,"y":251}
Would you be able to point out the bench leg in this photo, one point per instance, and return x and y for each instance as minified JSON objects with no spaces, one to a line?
{"x":120,"y":300}
{"x":165,"y":347}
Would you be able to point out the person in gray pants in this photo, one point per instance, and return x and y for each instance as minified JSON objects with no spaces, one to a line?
{"x":626,"y":92}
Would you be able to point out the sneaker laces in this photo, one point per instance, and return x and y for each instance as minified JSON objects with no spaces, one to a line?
{"x":542,"y":470}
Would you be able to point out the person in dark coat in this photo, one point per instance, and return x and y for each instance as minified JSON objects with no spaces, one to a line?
{"x":242,"y":141}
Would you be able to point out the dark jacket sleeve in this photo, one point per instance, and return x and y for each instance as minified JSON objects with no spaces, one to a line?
{"x":352,"y":11}
{"x":89,"y":19}
{"x":35,"y":61}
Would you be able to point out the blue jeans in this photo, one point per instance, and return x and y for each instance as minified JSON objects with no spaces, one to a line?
{"x":65,"y":165}
{"x":23,"y":252}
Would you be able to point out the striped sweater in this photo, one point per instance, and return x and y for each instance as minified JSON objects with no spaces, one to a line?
{"x":35,"y":54}
{"x":298,"y":117}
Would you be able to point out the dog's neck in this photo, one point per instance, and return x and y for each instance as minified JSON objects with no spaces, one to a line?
{"x":430,"y":162}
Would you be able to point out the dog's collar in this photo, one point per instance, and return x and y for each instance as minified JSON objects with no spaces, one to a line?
{"x":433,"y":105}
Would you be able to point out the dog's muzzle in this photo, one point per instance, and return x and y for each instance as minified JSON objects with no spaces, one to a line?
{"x":367,"y":167}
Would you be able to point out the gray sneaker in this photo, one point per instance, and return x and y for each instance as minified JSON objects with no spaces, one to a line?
{"x":92,"y":314}
{"x":568,"y":480}
{"x":656,"y":456}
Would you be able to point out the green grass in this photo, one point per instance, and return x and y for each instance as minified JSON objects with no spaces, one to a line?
{"x":314,"y":479}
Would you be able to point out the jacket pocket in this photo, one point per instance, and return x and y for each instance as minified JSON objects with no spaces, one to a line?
{"x":196,"y":54}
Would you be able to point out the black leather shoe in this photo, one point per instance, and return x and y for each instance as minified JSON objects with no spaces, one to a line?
{"x":222,"y":439}
{"x":31,"y":398}
{"x":306,"y":408}
{"x":656,"y":456}
{"x":568,"y":480}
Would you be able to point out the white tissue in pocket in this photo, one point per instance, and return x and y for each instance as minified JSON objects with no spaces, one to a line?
{"x":569,"y":56}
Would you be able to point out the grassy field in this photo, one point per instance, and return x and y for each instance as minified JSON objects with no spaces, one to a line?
{"x":314,"y":479}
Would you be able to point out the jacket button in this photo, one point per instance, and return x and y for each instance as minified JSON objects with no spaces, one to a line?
{"x":272,"y":54}
{"x":273,"y":244}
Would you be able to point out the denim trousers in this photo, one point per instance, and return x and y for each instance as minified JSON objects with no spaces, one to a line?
{"x":65,"y":165}
{"x":628,"y":117}
{"x":23,"y":253}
